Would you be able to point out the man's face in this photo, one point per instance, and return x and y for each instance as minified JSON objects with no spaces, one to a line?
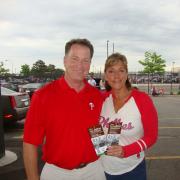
{"x":77,"y":62}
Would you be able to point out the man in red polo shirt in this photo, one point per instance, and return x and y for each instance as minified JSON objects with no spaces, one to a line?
{"x":58,"y":119}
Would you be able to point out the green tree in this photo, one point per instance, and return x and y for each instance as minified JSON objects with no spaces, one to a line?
{"x":153,"y":63}
{"x":3,"y":71}
{"x":39,"y":69}
{"x":50,"y":71}
{"x":51,"y":68}
{"x":58,"y":72}
{"x":54,"y":72}
{"x":25,"y":70}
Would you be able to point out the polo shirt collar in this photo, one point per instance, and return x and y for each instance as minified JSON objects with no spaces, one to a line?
{"x":64,"y":85}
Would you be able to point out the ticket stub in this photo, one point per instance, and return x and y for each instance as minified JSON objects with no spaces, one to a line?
{"x":98,"y":139}
{"x":113,"y":135}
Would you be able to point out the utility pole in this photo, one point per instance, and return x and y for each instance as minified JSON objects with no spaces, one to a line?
{"x":107,"y":48}
{"x":172,"y":75}
{"x":10,"y":64}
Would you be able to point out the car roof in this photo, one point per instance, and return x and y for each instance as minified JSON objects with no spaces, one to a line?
{"x":32,"y":85}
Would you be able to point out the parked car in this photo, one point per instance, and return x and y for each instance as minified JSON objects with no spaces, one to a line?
{"x":14,"y":105}
{"x":30,"y":88}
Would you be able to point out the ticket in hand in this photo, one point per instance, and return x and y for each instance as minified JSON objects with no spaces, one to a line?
{"x":114,"y":132}
{"x":98,"y":139}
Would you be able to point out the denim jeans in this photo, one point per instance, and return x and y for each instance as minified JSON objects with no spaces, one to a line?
{"x":138,"y":173}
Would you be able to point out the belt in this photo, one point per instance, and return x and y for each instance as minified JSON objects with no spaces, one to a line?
{"x":82,"y":165}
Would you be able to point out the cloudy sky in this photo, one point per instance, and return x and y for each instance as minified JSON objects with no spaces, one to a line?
{"x":32,"y":30}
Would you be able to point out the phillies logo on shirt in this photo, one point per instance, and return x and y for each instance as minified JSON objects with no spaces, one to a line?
{"x":91,"y":105}
{"x":105,"y":123}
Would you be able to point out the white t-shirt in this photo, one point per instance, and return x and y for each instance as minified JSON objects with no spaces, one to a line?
{"x":131,"y":131}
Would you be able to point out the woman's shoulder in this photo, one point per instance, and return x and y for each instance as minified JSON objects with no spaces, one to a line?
{"x":140,"y":94}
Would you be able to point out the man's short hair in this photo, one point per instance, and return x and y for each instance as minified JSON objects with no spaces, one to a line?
{"x":83,"y":42}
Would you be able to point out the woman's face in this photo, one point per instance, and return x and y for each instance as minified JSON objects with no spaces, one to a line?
{"x":116,"y":76}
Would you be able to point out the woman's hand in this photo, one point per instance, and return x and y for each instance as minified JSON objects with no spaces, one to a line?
{"x":115,"y":150}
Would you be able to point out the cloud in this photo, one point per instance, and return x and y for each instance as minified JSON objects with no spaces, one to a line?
{"x":31,"y":30}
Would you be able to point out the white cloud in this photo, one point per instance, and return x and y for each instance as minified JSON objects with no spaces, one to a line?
{"x":31,"y":30}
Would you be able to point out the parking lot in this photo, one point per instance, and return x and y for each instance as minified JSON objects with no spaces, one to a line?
{"x":163,"y":159}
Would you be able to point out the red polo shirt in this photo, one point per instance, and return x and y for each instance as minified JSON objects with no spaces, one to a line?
{"x":59,"y":118}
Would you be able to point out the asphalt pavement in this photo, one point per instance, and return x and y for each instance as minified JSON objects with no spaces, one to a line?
{"x":163,"y":159}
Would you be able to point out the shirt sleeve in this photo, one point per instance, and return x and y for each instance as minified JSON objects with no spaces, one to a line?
{"x":34,"y":124}
{"x":149,"y":120}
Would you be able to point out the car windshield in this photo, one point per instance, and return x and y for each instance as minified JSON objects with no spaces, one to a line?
{"x":9,"y":86}
{"x":7,"y":92}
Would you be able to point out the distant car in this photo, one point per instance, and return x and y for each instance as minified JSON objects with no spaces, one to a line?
{"x":14,"y":105}
{"x":31,"y":88}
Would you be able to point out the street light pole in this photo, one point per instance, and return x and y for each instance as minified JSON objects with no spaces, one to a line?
{"x":12,"y":67}
{"x":172,"y":74}
{"x":107,"y":48}
{"x":173,"y":68}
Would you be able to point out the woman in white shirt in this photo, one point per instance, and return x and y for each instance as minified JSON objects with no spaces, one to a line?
{"x":137,"y":114}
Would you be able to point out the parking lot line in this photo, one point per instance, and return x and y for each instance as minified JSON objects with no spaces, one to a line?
{"x":169,"y":127}
{"x":18,"y":137}
{"x":162,"y":157}
{"x":168,"y":118}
